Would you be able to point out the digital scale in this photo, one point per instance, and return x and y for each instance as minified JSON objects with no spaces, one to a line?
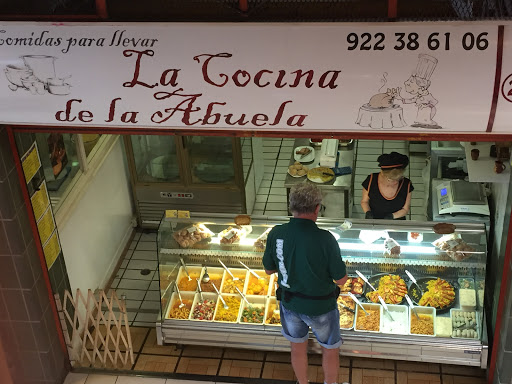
{"x":460,"y":196}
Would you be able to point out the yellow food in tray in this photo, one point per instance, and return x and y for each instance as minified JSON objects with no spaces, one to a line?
{"x":368,"y":323}
{"x":258,"y":286}
{"x":231,"y":313}
{"x":439,"y":294}
{"x":273,"y":316}
{"x":392,"y":289}
{"x":180,"y":313}
{"x":425,"y":326}
{"x":188,"y":285}
{"x":229,"y":284}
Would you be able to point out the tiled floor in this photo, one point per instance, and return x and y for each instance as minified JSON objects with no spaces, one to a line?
{"x":241,"y":366}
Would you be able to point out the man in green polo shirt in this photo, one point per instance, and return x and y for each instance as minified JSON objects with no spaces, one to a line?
{"x":309,"y":266}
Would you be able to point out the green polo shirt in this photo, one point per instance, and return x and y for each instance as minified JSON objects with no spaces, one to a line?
{"x":307,"y":259}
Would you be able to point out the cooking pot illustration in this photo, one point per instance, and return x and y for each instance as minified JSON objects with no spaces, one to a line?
{"x":37,"y":75}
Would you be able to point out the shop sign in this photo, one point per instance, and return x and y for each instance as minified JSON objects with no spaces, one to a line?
{"x":399,"y":78}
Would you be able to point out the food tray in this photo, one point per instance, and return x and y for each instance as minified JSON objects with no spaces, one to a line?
{"x":257,"y":302}
{"x":397,"y":311}
{"x":356,"y":294}
{"x":466,"y":282}
{"x":188,"y":299}
{"x":422,"y":311}
{"x":269,"y":311}
{"x":197,"y":299}
{"x":454,"y":312}
{"x":194,"y":272}
{"x":348,"y":300}
{"x":306,"y":159}
{"x":422,"y":282}
{"x":374,"y":280}
{"x":367,"y":306}
{"x":219,"y":306}
{"x":237,"y":272}
{"x":252,"y":279}
{"x":214,"y":273}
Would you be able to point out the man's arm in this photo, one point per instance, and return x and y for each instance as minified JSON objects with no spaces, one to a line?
{"x":270,"y":272}
{"x":342,"y":281}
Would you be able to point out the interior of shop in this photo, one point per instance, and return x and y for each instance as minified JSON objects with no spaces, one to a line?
{"x":125,"y":185}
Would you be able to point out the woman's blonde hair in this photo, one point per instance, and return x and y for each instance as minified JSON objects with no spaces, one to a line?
{"x":394,"y":173}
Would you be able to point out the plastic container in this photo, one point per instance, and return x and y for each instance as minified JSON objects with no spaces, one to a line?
{"x":188,"y":299}
{"x":422,"y":311}
{"x":240,"y":273}
{"x":184,"y":284}
{"x":272,"y":305}
{"x":359,"y":313}
{"x":234,"y":309}
{"x":466,"y":282}
{"x":475,"y":325}
{"x":197,"y":301}
{"x":345,"y":314}
{"x":257,"y":287}
{"x":257,"y":302}
{"x":400,"y":325}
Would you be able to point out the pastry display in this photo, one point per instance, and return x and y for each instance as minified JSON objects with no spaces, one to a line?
{"x":257,"y":286}
{"x":353,"y":285}
{"x":346,"y":316}
{"x":204,"y":310}
{"x":464,"y":324}
{"x":252,"y":314}
{"x":297,"y":170}
{"x":439,"y":294}
{"x":231,"y":313}
{"x":368,"y":323}
{"x":454,"y":247}
{"x":189,"y":236}
{"x":261,"y":241}
{"x":423,"y":326}
{"x":180,"y":313}
{"x":391,"y":288}
{"x":231,"y":235}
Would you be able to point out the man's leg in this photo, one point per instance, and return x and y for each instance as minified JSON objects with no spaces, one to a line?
{"x":330,"y":364}
{"x":300,"y":361}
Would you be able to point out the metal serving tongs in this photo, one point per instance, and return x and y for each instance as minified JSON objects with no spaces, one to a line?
{"x":358,"y":303}
{"x":414,"y":281}
{"x":365,"y":280}
{"x":220,"y":296}
{"x":228,"y":271}
{"x":185,"y":269}
{"x":243,"y":296}
{"x":179,"y":296}
{"x":412,"y":306}
{"x":199,"y":289}
{"x":250,"y":271}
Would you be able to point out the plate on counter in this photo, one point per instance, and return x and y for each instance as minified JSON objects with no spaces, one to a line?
{"x":297,"y":170}
{"x":304,"y":154}
{"x":320,"y":175}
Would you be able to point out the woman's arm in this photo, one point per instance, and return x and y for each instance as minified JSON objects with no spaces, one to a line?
{"x":365,"y":201}
{"x":405,"y":209}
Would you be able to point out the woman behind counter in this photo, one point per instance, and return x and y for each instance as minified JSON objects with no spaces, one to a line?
{"x":387,"y":194}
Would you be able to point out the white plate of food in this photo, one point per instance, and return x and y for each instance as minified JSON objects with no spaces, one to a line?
{"x":320,"y":175}
{"x":297,"y":170}
{"x":304,"y":154}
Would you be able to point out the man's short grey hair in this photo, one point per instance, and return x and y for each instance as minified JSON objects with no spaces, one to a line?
{"x":304,"y":198}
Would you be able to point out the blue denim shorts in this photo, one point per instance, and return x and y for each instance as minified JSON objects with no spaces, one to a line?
{"x":326,"y":327}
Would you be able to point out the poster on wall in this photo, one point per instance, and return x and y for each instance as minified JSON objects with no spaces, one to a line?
{"x":46,"y":225}
{"x":400,"y":78}
{"x":40,"y":201}
{"x":51,"y":249}
{"x":30,"y":162}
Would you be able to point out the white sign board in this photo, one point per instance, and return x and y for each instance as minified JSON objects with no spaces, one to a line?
{"x":428,"y":78}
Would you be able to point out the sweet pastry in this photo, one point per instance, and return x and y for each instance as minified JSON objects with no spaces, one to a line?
{"x":243,"y":220}
{"x":189,"y":236}
{"x":443,"y":228}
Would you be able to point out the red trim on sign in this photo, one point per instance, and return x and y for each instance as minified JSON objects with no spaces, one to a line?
{"x":501,"y":304}
{"x":242,"y":4}
{"x":497,"y":78}
{"x":37,"y":239}
{"x":49,"y":17}
{"x":392,"y":9}
{"x":101,"y":9}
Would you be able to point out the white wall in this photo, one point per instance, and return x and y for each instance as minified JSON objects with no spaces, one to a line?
{"x":96,"y":231}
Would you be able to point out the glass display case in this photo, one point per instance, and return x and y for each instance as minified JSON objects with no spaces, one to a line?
{"x":442,"y":274}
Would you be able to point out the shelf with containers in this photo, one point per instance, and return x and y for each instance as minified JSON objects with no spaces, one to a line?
{"x":449,"y":270}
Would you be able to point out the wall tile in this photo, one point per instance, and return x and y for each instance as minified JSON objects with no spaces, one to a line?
{"x":41,"y":336}
{"x":5,"y":151}
{"x":7,"y":208}
{"x":33,"y":258}
{"x":8,"y":277}
{"x":33,"y":368}
{"x":42,"y":293}
{"x":48,"y":364}
{"x":25,"y":278}
{"x":14,"y":184}
{"x":4,"y":245}
{"x":26,"y":229}
{"x":33,"y":307}
{"x":24,"y":337}
{"x":4,"y":315}
{"x":16,"y":305}
{"x":14,"y":236}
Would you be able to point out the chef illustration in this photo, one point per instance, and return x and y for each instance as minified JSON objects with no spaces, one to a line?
{"x":417,"y":85}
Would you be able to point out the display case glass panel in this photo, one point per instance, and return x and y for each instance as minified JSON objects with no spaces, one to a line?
{"x":155,"y":159}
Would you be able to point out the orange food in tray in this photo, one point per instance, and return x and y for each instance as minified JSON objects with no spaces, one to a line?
{"x":392,"y":289}
{"x":439,"y":294}
{"x":354,"y":285}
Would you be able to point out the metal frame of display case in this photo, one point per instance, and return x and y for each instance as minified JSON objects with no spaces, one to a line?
{"x":268,"y":337}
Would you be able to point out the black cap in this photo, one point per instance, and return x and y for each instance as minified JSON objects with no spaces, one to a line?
{"x":393,"y":160}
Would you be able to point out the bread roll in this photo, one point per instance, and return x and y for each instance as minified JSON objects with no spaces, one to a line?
{"x":243,"y":220}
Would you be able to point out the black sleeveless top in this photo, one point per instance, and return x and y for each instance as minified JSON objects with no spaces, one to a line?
{"x":381,"y":206}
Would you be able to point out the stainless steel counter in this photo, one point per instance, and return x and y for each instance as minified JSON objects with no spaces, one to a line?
{"x":337,"y":190}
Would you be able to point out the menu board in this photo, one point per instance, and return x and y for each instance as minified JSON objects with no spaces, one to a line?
{"x":30,"y":162}
{"x":51,"y":249}
{"x":40,"y":201}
